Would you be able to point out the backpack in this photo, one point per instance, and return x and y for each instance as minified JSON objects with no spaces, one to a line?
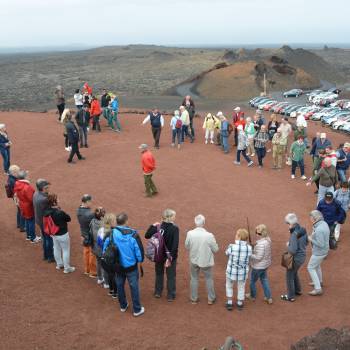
{"x":110,"y":259}
{"x":229,"y":128}
{"x":9,"y":191}
{"x":50,"y":228}
{"x":156,"y":249}
{"x":178,"y":124}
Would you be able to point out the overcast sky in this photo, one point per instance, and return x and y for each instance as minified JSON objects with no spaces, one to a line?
{"x":172,"y":22}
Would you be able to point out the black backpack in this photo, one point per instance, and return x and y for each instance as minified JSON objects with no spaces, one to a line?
{"x":110,"y":259}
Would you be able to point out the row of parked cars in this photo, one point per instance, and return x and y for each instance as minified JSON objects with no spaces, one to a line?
{"x":336,"y":115}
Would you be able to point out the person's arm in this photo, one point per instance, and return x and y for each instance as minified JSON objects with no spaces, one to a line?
{"x":258,"y":253}
{"x":174,"y":248}
{"x":161,"y":120}
{"x":318,"y":240}
{"x":105,"y":244}
{"x":64,"y":216}
{"x":228,"y":250}
{"x":146,"y":120}
{"x":213,"y":244}
{"x":138,"y":248}
{"x":293,"y":244}
{"x":151,"y":231}
{"x":188,"y":242}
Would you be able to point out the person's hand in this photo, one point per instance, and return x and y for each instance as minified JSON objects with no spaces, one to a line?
{"x":156,"y":224}
{"x":309,"y":238}
{"x":308,"y":183}
{"x":287,"y":244}
{"x":167,"y":263}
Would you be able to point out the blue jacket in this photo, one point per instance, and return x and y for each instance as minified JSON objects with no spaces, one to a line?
{"x":129,"y":244}
{"x":115,"y":105}
{"x":3,"y":140}
{"x":332,"y":212}
{"x":319,"y":145}
{"x":224,"y":128}
{"x":297,"y":244}
{"x":341,"y":155}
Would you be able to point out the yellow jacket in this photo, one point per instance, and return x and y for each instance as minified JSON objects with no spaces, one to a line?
{"x":210,"y":123}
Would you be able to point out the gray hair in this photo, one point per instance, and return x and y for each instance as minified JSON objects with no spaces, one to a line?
{"x":291,"y":219}
{"x":316,"y":215}
{"x":168,"y":215}
{"x":199,"y":220}
{"x":22,"y":174}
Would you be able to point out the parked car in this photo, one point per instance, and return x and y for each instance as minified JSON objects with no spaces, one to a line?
{"x":260,"y":101}
{"x":293,"y":93}
{"x":334,"y":90}
{"x":345,"y":128}
{"x":265,"y":103}
{"x":341,"y":122}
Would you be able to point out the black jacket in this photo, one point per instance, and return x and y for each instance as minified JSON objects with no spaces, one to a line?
{"x":85,"y":215}
{"x":60,"y":218}
{"x":72,"y":132}
{"x":105,"y":99}
{"x":171,"y":236}
{"x":82,"y":117}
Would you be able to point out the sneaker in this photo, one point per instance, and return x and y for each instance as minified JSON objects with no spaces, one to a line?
{"x":27,"y":239}
{"x":237,"y":163}
{"x":303,"y":177}
{"x":69,"y":269}
{"x":211,"y":302}
{"x":249,"y":297}
{"x":206,"y":142}
{"x":35,"y":240}
{"x":269,"y":301}
{"x":67,"y":149}
{"x":240,"y":305}
{"x":212,"y":142}
{"x":316,"y":292}
{"x":105,"y":286}
{"x":123,"y":309}
{"x":92,"y":276}
{"x":292,"y":176}
{"x":173,"y":145}
{"x":99,"y":282}
{"x":157,"y":296}
{"x":110,"y":292}
{"x":141,"y":312}
{"x":114,"y":296}
{"x":59,"y":267}
{"x":229,"y":306}
{"x":252,"y":155}
{"x":250,"y":163}
{"x":194,"y":302}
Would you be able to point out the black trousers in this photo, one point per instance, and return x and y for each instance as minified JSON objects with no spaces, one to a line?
{"x":60,"y":108}
{"x":236,"y":137}
{"x":192,"y":127}
{"x":96,"y":123}
{"x":156,"y":136}
{"x":112,"y":283}
{"x":75,"y":150}
{"x":171,"y":279}
{"x":66,"y":142}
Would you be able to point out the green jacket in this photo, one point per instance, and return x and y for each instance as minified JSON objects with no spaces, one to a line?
{"x":297,"y":151}
{"x":298,"y":133}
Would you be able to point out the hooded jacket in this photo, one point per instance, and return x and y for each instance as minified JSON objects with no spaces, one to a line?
{"x":95,"y":109}
{"x":24,"y":192}
{"x":115,"y":105}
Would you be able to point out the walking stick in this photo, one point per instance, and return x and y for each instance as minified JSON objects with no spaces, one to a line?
{"x":249,"y":235}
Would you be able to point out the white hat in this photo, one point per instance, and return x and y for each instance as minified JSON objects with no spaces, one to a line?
{"x":237,"y":109}
{"x":323,"y":135}
{"x":219,"y":114}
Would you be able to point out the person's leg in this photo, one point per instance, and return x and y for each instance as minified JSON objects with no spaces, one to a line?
{"x":147,"y":185}
{"x":236,"y":137}
{"x":98,"y":123}
{"x":31,"y":228}
{"x":312,"y":267}
{"x":290,"y":275}
{"x":337,"y":232}
{"x":93,"y":123}
{"x":86,"y":256}
{"x":152,"y":185}
{"x":182,"y":133}
{"x":47,"y":246}
{"x":171,"y":280}
{"x":159,"y":130}
{"x":120,"y":279}
{"x":76,"y":150}
{"x":159,"y":281}
{"x":99,"y":270}
{"x":208,"y":275}
{"x":194,"y":272}
{"x":4,"y":158}
{"x":294,"y":166}
{"x":321,"y":192}
{"x":81,"y":136}
{"x":133,"y":280}
{"x":211,"y":136}
{"x":229,"y":290}
{"x":192,"y":128}
{"x":259,"y":154}
{"x":245,"y":156}
{"x":341,"y":175}
{"x":74,"y":147}
{"x":265,"y":284}
{"x":240,"y":292}
{"x":206,"y":135}
{"x":57,"y":251}
{"x":173,"y":135}
{"x":65,"y":244}
{"x":92,"y":262}
{"x":117,"y":122}
{"x":297,"y":284}
{"x":238,"y":158}
{"x":302,"y":167}
{"x":225,"y":143}
{"x":178,"y":137}
{"x":218,"y":138}
{"x":254,"y":275}
{"x":279,"y":160}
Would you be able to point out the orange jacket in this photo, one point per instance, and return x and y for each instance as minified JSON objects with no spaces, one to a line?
{"x":95,"y":108}
{"x":148,"y":162}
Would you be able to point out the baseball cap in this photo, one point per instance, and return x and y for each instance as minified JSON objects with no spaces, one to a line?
{"x":86,"y":198}
{"x":143,"y":146}
{"x":329,"y":195}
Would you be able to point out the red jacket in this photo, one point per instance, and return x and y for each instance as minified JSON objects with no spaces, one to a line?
{"x":240,"y":122}
{"x":95,"y":108}
{"x":148,"y":162}
{"x":24,"y":192}
{"x":236,"y":116}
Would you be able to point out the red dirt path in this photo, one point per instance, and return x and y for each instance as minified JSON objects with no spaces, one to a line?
{"x":42,"y":308}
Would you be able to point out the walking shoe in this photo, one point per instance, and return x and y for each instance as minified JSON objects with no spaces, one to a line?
{"x":253,"y":154}
{"x":303,"y":177}
{"x":92,"y":276}
{"x":212,"y":142}
{"x":82,"y":158}
{"x":316,"y":292}
{"x":249,"y":297}
{"x":250,"y":163}
{"x":51,"y":260}
{"x":110,"y":292}
{"x":206,"y":142}
{"x":123,"y":309}
{"x":240,"y":305}
{"x":114,"y":296}
{"x":229,"y":306}
{"x":67,"y":149}
{"x":105,"y":286}
{"x":99,"y":282}
{"x":269,"y":301}
{"x":27,"y":239}
{"x":59,"y":267}
{"x":157,"y":296}
{"x":35,"y":240}
{"x":141,"y":312}
{"x":69,"y":269}
{"x":194,"y":302}
{"x":237,"y":163}
{"x":292,"y":176}
{"x":173,"y":145}
{"x":211,"y":302}
{"x":86,"y":146}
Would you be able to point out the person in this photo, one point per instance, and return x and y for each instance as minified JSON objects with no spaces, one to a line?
{"x":171,"y":240}
{"x":24,"y":192}
{"x":78,"y":99}
{"x":82,"y":118}
{"x":342,"y":195}
{"x":157,"y":122}
{"x":328,"y":178}
{"x":316,"y":166}
{"x":241,"y":147}
{"x":236,"y":116}
{"x":224,"y":132}
{"x":64,"y":121}
{"x":218,"y":130}
{"x":278,"y":147}
{"x":202,"y":246}
{"x":332,"y":212}
{"x":95,"y":112}
{"x":297,"y":151}
{"x":11,"y":181}
{"x":148,"y":166}
{"x":61,"y":240}
{"x":85,"y":215}
{"x":209,"y":127}
{"x":343,"y":161}
{"x":190,"y":107}
{"x":299,"y":132}
{"x":176,"y":124}
{"x":114,"y":122}
{"x":95,"y":224}
{"x":239,"y":121}
{"x":260,"y":140}
{"x":272,"y":127}
{"x":5,"y":145}
{"x":296,"y":246}
{"x":260,"y":261}
{"x":319,"y":240}
{"x":332,"y":155}
{"x":60,"y":100}
{"x":249,"y":130}
{"x":237,"y":268}
{"x":109,"y":276}
{"x":320,"y":143}
{"x":314,"y":139}
{"x":105,"y":101}
{"x":40,"y":203}
{"x":185,"y":118}
{"x":73,"y":138}
{"x":131,"y":254}
{"x":286,"y":130}
{"x":261,"y":119}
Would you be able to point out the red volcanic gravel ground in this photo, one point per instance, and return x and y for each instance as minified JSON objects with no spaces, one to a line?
{"x":42,"y":308}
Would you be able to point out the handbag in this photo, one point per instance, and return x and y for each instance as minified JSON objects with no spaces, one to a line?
{"x":287,"y":260}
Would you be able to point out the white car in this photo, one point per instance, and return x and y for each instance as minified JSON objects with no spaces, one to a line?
{"x":341,"y":122}
{"x":345,"y":127}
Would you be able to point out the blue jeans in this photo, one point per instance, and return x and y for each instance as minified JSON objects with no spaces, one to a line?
{"x":260,"y":152}
{"x":184,"y":131}
{"x":47,"y":245}
{"x":224,"y":143}
{"x":243,"y":151}
{"x":292,"y":280}
{"x":341,"y":175}
{"x":299,"y":164}
{"x":176,"y":135}
{"x":6,"y":157}
{"x":30,"y":228}
{"x":133,"y":280}
{"x":262,"y":275}
{"x":20,"y":220}
{"x":114,"y":121}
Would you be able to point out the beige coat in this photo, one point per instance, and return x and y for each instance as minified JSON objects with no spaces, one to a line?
{"x":261,"y":257}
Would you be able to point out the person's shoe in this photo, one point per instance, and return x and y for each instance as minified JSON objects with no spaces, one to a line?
{"x":303,"y":177}
{"x":70,"y":161}
{"x":82,"y":158}
{"x":123,"y":309}
{"x":141,"y":312}
{"x":240,"y":306}
{"x":92,"y":276}
{"x":173,"y":145}
{"x":157,"y":296}
{"x":27,"y":239}
{"x":298,"y":294}
{"x":67,"y":149}
{"x":22,"y":230}
{"x":253,"y":154}
{"x":99,"y":282}
{"x":59,"y":267}
{"x":268,"y":151}
{"x":69,"y":269}
{"x":51,"y":260}
{"x":268,"y":301}
{"x":249,"y":297}
{"x":316,"y":192}
{"x":114,"y":296}
{"x":170,"y":299}
{"x":194,"y":302}
{"x":36,"y":240}
{"x":237,"y":163}
{"x":260,"y":166}
{"x":316,"y":292}
{"x":212,"y":142}
{"x":148,"y":196}
{"x":81,"y":146}
{"x":105,"y":286}
{"x":206,"y":142}
{"x":178,"y":146}
{"x":292,"y":176}
{"x":86,"y":146}
{"x":86,"y":273}
{"x":229,"y":306}
{"x":192,"y":140}
{"x":110,"y":292}
{"x":250,"y":163}
{"x":211,"y":302}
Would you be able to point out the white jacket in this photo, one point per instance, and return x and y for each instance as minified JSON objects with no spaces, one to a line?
{"x":202,"y":246}
{"x":261,"y":257}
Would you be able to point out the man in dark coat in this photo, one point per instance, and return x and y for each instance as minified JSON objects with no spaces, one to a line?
{"x":82,"y":118}
{"x":73,"y":137}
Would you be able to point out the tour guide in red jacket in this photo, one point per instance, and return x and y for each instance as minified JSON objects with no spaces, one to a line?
{"x":148,"y":166}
